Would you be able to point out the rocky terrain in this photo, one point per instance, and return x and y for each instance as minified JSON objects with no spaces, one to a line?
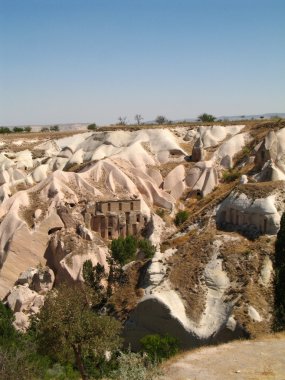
{"x":210,"y":279}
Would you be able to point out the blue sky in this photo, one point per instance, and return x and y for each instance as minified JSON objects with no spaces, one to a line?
{"x":67,"y":61}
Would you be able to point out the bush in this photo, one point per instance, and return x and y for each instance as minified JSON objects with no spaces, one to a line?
{"x":5,"y":130}
{"x":92,"y":127}
{"x":146,"y":248}
{"x":133,"y":366}
{"x":181,"y":217}
{"x":159,"y":347}
{"x":18,"y":129}
{"x":230,"y":175}
{"x":27,"y":129}
{"x":54,"y":128}
{"x":45,"y":129}
{"x":206,"y":118}
{"x":124,"y":250}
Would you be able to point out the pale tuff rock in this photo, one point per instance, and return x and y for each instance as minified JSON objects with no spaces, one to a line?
{"x":254,"y":315}
{"x":20,"y":298}
{"x":162,"y":308}
{"x":243,"y":179}
{"x":240,"y":212}
{"x":266,"y":272}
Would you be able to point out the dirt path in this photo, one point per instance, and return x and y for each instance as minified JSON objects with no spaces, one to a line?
{"x":263,"y":359}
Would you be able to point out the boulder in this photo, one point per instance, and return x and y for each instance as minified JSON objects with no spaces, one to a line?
{"x":20,"y":298}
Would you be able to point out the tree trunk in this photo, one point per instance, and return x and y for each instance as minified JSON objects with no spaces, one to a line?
{"x":79,"y":362}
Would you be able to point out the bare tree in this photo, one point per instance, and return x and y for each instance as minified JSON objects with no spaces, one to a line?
{"x":122,"y":120}
{"x":138,"y":118}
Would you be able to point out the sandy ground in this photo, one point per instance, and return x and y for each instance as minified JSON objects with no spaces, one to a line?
{"x":263,"y":359}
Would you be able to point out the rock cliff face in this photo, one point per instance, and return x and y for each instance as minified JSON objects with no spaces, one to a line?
{"x":209,"y":281}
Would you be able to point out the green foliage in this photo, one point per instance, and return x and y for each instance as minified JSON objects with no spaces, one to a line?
{"x":124,"y":250}
{"x":159,"y":347}
{"x":54,"y":128}
{"x":279,"y":285}
{"x":7,"y":331}
{"x":161,"y":119}
{"x":206,"y":118}
{"x":133,"y":366}
{"x":5,"y":130}
{"x":181,"y":217}
{"x":68,"y":331}
{"x":230,"y":175}
{"x":18,"y":129}
{"x":92,"y":127}
{"x":147,"y":249}
{"x":27,"y":129}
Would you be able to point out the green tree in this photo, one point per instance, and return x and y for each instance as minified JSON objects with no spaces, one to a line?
{"x":206,"y":118}
{"x":18,"y":129}
{"x":92,"y":127}
{"x":54,"y":128}
{"x":5,"y":130}
{"x":280,"y":277}
{"x":67,"y":328}
{"x":124,"y":250}
{"x":161,"y":119}
{"x":27,"y":129}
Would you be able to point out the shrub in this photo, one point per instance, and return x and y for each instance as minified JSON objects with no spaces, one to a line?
{"x":160,"y":212}
{"x":45,"y":129}
{"x":161,"y":119}
{"x":18,"y":129}
{"x":146,"y":248}
{"x":181,"y":217}
{"x":27,"y":129}
{"x":159,"y":347}
{"x":206,"y":118}
{"x":124,"y":250}
{"x":230,"y":175}
{"x":54,"y":128}
{"x":5,"y":130}
{"x":92,"y":127}
{"x":133,"y":366}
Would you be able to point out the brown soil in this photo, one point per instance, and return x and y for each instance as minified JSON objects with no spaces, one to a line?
{"x":126,"y":296}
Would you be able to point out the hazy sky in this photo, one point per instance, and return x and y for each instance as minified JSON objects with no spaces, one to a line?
{"x":95,"y":60}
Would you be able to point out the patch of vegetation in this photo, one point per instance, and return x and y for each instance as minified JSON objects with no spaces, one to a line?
{"x":124,"y":250}
{"x":5,"y":130}
{"x":92,"y":127}
{"x":206,"y":118}
{"x":181,"y":217}
{"x":159,"y":347}
{"x":230,"y":175}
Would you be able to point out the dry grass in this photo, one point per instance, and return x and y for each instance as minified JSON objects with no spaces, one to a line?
{"x":243,"y":261}
{"x":260,"y":189}
{"x":186,"y":268}
{"x":126,"y":296}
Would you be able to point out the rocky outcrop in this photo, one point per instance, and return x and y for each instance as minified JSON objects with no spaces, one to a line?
{"x":198,"y":153}
{"x":26,"y":298}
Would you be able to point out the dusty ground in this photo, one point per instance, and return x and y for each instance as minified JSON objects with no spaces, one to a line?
{"x":262,"y":359}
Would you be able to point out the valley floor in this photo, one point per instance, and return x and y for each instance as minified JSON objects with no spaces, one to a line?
{"x":262,"y":359}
